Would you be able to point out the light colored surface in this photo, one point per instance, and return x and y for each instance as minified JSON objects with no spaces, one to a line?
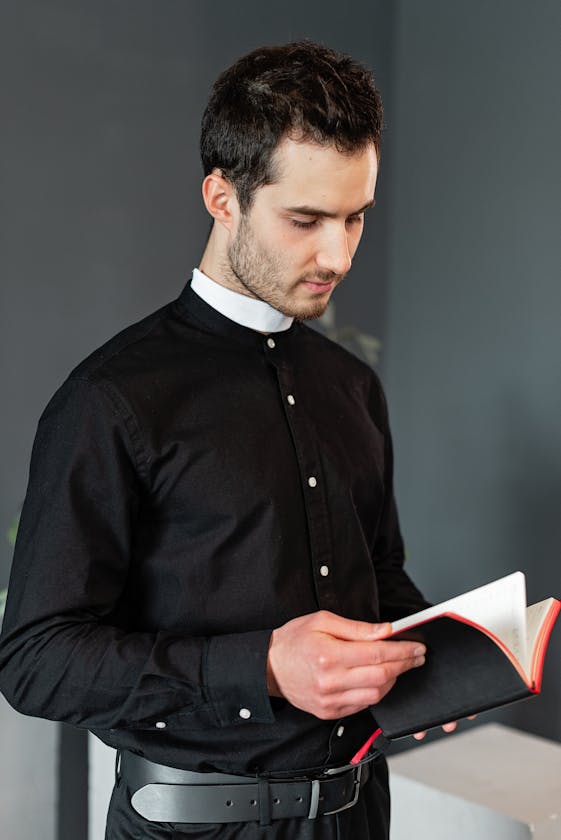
{"x":425,"y":813}
{"x":28,"y":776}
{"x":493,"y":767}
{"x":101,"y":776}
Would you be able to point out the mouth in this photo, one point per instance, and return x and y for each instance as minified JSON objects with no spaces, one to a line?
{"x":319,"y":287}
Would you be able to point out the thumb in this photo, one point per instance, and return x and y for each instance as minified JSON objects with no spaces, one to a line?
{"x":353,"y":631}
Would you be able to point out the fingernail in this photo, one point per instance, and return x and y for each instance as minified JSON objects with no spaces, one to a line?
{"x":420,"y":651}
{"x":381,"y":630}
{"x":420,"y":660}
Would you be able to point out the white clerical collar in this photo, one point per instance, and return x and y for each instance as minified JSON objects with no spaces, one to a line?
{"x":249,"y":312}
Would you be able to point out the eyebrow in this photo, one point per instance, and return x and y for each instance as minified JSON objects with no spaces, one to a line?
{"x":306,"y":210}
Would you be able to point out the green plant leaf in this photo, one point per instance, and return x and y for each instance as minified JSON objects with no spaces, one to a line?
{"x":13,"y":530}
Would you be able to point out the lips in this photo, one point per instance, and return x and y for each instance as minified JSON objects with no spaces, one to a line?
{"x":320,"y":288}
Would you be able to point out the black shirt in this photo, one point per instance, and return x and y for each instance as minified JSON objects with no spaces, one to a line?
{"x":193,"y":485}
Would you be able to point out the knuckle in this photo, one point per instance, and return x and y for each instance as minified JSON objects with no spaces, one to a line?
{"x":323,"y":684}
{"x":376,"y":654}
{"x":358,"y":629}
{"x":324,"y":709}
{"x":323,"y":661}
{"x":376,"y":695}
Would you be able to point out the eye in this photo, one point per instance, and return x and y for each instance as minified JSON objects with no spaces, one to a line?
{"x":353,"y":220}
{"x":303,"y":225}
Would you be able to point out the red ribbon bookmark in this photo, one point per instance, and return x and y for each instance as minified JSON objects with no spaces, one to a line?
{"x":365,"y":747}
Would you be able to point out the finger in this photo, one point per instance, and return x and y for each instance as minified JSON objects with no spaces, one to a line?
{"x":348,"y":628}
{"x":449,"y":727}
{"x":349,"y":702}
{"x":369,"y":677}
{"x":376,"y":653}
{"x":418,"y":736}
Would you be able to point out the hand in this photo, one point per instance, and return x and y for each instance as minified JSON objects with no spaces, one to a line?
{"x":447,"y":727}
{"x":332,"y":667}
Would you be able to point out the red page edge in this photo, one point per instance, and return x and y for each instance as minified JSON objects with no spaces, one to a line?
{"x":533,"y":685}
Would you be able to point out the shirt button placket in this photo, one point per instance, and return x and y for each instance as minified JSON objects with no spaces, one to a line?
{"x":316,"y":502}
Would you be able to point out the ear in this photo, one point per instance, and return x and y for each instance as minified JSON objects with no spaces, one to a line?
{"x":220,"y":199}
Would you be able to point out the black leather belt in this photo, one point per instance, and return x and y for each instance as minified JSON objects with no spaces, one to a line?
{"x":166,"y":794}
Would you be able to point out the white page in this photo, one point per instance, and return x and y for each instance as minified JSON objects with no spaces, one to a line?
{"x":499,"y":606}
{"x":535,"y":617}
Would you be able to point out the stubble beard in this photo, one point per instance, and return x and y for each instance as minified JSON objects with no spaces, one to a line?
{"x":260,"y":273}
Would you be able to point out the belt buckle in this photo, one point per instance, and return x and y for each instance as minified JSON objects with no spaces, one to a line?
{"x":356,"y":794}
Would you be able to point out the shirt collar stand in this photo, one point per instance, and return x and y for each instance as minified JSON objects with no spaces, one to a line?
{"x":249,"y":312}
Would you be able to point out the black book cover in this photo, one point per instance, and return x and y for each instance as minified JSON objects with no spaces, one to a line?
{"x":465,"y":672}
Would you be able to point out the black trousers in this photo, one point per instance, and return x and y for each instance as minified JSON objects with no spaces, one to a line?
{"x":369,"y":819}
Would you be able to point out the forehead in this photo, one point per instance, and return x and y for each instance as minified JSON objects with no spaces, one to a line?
{"x":322,"y":176}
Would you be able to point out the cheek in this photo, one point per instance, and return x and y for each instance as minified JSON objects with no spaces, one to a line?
{"x":293,"y":247}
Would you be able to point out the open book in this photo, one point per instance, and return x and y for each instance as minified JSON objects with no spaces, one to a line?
{"x":485,"y":648}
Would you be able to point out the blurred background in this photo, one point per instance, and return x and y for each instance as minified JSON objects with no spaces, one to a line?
{"x":458,"y":274}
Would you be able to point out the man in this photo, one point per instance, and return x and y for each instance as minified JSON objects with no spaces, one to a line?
{"x":209,"y":550}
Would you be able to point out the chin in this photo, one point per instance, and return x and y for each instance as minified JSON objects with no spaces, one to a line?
{"x":301,"y":310}
{"x":308,"y":313}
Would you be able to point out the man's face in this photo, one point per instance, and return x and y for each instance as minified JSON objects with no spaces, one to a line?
{"x":297,"y":241}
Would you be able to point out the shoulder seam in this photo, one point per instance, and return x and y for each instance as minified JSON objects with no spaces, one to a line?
{"x":124,"y":413}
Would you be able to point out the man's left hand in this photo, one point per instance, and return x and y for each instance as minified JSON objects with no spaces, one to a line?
{"x":447,"y":727}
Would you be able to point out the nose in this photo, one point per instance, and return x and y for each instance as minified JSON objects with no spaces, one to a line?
{"x":334,"y":254}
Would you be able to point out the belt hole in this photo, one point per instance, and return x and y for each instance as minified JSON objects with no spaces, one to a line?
{"x":276,"y":801}
{"x":229,"y":803}
{"x":253,"y":802}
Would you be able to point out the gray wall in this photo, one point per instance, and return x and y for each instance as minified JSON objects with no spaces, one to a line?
{"x":473,"y":360}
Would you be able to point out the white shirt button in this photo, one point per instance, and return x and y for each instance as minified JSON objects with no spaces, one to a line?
{"x":312,"y":481}
{"x":245,"y":714}
{"x":271,"y":343}
{"x":324,"y":571}
{"x":340,"y":731}
{"x":290,"y":399}
{"x":161,"y":724}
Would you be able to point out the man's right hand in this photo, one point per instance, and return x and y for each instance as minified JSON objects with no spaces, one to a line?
{"x":332,"y":667}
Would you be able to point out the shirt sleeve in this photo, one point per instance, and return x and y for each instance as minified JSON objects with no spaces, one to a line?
{"x":62,"y":655}
{"x":398,"y":595}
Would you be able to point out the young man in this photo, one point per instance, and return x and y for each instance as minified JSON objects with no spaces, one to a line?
{"x":209,"y":549}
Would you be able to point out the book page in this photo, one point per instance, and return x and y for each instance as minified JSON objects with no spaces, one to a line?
{"x":499,"y":606}
{"x":536,"y":615}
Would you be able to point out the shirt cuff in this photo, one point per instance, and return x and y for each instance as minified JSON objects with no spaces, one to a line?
{"x":235,"y":677}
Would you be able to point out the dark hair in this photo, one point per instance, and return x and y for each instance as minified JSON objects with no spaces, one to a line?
{"x":302,"y":90}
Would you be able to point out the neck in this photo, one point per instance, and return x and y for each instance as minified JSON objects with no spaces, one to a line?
{"x":215,"y":264}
